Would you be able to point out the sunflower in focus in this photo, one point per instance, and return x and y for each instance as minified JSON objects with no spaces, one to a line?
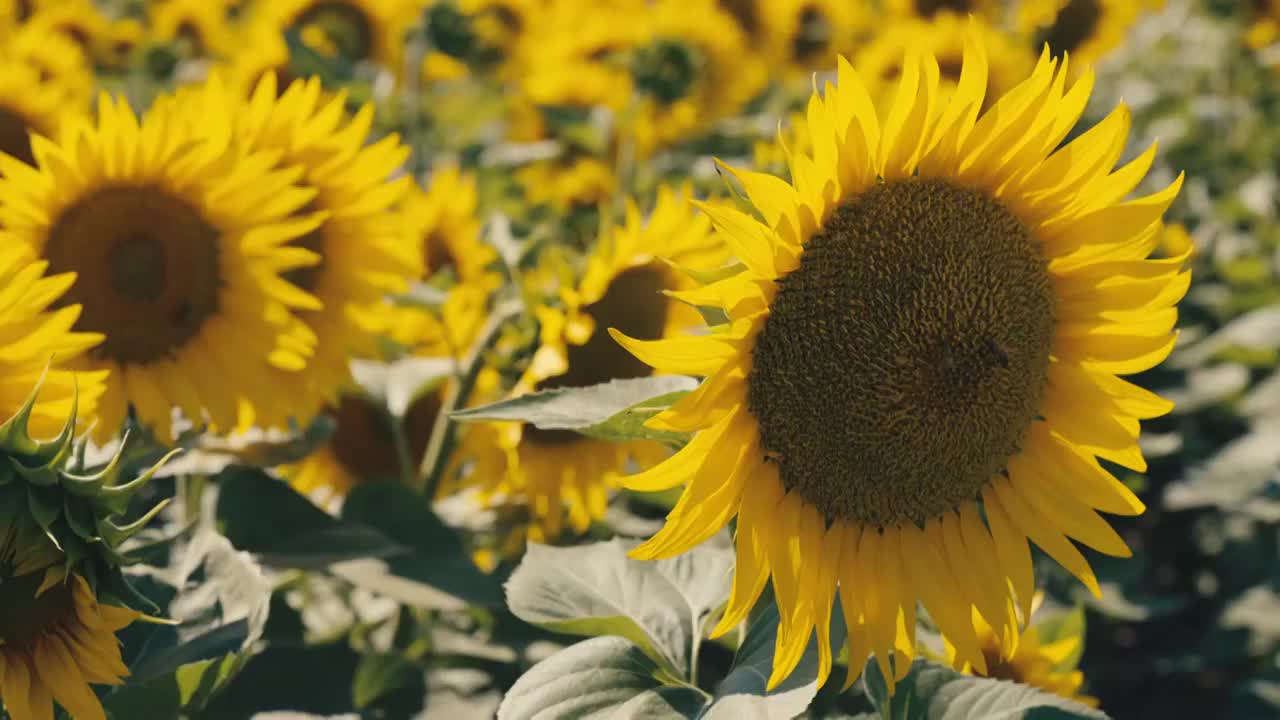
{"x":363,"y":252}
{"x":919,"y":367}
{"x":56,"y":639}
{"x":1085,"y":29}
{"x":558,"y":473}
{"x":1030,"y":661}
{"x":32,"y":336}
{"x":807,"y":35}
{"x":880,"y":62}
{"x":177,"y":241}
{"x":353,"y":29}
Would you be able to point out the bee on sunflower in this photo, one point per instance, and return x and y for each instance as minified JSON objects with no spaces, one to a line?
{"x":559,"y":475}
{"x":177,"y":240}
{"x":920,"y":364}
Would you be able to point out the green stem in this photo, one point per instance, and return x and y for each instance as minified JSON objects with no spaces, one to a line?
{"x":436,"y":458}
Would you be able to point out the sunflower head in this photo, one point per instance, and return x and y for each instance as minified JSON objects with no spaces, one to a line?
{"x":1085,"y":29}
{"x":947,"y":296}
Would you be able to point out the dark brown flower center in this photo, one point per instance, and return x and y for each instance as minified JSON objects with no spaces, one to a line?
{"x":903,"y":361}
{"x":363,"y":441}
{"x":813,"y":34}
{"x":26,"y":616}
{"x":929,"y":8}
{"x":635,"y":306}
{"x":345,"y":25}
{"x":148,"y":269}
{"x":1072,"y":27}
{"x":14,"y":137}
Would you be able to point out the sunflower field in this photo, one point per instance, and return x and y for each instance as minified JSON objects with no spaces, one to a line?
{"x":639,"y":359}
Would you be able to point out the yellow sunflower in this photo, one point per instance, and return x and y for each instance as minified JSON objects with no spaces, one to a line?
{"x":568,"y":56}
{"x":30,"y":105}
{"x":989,"y":9}
{"x":55,"y":640}
{"x":355,"y":29}
{"x":1085,"y":29}
{"x":79,"y":20}
{"x":57,"y":58}
{"x":1029,"y":661}
{"x":32,"y":336}
{"x":807,"y":35}
{"x":555,"y":471}
{"x":364,"y":254}
{"x":201,"y":24}
{"x":569,"y":181}
{"x":444,"y":220}
{"x":1265,"y":25}
{"x":928,"y":331}
{"x":177,"y":240}
{"x":263,"y":51}
{"x":880,"y":61}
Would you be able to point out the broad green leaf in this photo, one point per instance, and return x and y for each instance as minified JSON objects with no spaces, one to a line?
{"x":662,"y":607}
{"x":266,"y":517}
{"x":380,"y":675}
{"x":742,"y":693}
{"x":613,"y":411}
{"x":597,"y":679}
{"x":312,"y":678}
{"x":435,"y":559}
{"x":934,"y":692}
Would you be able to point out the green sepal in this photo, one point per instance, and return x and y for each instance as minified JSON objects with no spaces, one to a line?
{"x":116,"y":534}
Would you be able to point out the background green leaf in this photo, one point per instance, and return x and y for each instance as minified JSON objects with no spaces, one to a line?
{"x":934,"y":692}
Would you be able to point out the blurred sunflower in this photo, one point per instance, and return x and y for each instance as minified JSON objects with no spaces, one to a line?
{"x":56,"y":58}
{"x":30,"y":105}
{"x":558,"y":472}
{"x":880,"y":62}
{"x":989,"y":9}
{"x":932,"y":315}
{"x":483,"y":33}
{"x":572,"y":180}
{"x":79,"y":20}
{"x":570,"y":55}
{"x":772,"y":155}
{"x":201,"y":25}
{"x":1085,"y":29}
{"x":364,"y":254}
{"x":356,"y":30}
{"x":32,"y":336}
{"x":1029,"y":661}
{"x":694,"y":68}
{"x":177,"y":241}
{"x":807,"y":35}
{"x":56,"y":639}
{"x":1264,"y":27}
{"x":263,"y":52}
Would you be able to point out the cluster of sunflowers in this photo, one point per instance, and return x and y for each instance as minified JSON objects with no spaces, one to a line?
{"x":366,"y":233}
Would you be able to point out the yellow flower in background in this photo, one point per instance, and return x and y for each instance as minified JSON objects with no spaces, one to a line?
{"x":355,"y":29}
{"x":29,"y":105}
{"x":202,"y":24}
{"x":1029,"y":660}
{"x":567,"y":182}
{"x":56,"y":57}
{"x":263,"y":52}
{"x":807,"y":35}
{"x":1265,"y":25}
{"x":56,"y":639}
{"x":363,"y":252}
{"x":79,"y":20}
{"x":928,"y":331}
{"x":568,"y":56}
{"x":444,"y":220}
{"x":33,"y":334}
{"x":1085,"y":29}
{"x":880,"y":62}
{"x":177,"y":240}
{"x":556,"y":472}
{"x":772,"y":155}
{"x":988,"y":9}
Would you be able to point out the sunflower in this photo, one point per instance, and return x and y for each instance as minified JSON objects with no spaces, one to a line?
{"x":1086,"y":29}
{"x":880,"y":62}
{"x":201,"y":24}
{"x":32,"y":336}
{"x":694,"y":68}
{"x":263,"y":51}
{"x":1030,"y":661}
{"x":444,"y":220}
{"x":572,"y":180}
{"x":569,"y":56}
{"x":928,"y":331}
{"x":177,"y":241}
{"x":56,"y":639}
{"x":556,"y":471}
{"x":807,"y":35}
{"x":57,"y":59}
{"x":1264,"y":27}
{"x":989,"y":9}
{"x":29,"y":105}
{"x":79,"y":20}
{"x":364,"y":254}
{"x":354,"y":29}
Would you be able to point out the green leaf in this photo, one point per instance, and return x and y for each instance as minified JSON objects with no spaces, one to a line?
{"x":663,"y":607}
{"x":435,"y":561}
{"x":604,"y":677}
{"x":313,"y":679}
{"x":380,"y":675}
{"x":1062,"y":626}
{"x":266,"y":517}
{"x":742,"y":692}
{"x":613,"y":411}
{"x":934,"y":692}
